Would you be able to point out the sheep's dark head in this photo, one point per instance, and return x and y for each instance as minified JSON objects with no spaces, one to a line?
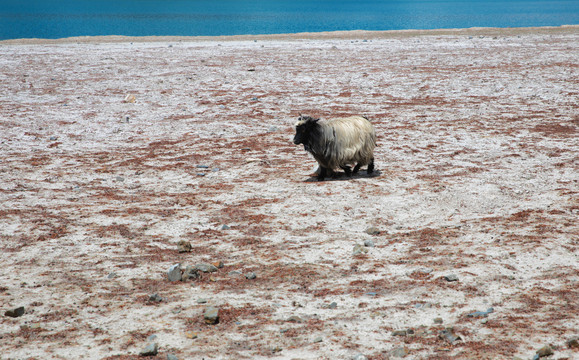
{"x":306,"y":128}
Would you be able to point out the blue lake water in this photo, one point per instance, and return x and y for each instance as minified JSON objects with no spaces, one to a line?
{"x":64,"y":18}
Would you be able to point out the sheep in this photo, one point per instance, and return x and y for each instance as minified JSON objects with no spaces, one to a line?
{"x":338,"y":143}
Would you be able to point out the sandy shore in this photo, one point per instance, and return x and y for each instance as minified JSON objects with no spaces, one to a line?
{"x":115,"y":149}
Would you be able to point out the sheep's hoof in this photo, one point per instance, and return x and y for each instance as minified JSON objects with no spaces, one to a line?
{"x":370,"y":169}
{"x":356,"y":169}
{"x":347,"y":170}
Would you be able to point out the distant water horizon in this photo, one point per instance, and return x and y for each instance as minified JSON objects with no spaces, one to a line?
{"x":53,"y":19}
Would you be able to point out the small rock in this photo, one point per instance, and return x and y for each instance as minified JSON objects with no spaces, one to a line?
{"x":373,"y":231}
{"x":174,"y":273}
{"x":53,"y":138}
{"x":218,"y":264}
{"x":369,"y":243}
{"x":191,"y":335}
{"x":451,"y":277}
{"x":150,"y":350}
{"x":234,"y":273}
{"x":202,"y":167}
{"x":130,"y":98}
{"x":573,"y":343}
{"x":399,"y":352}
{"x":172,"y":357}
{"x":359,"y":250}
{"x":448,"y":335}
{"x":225,"y":227}
{"x":276,"y":349}
{"x":211,"y":315}
{"x":190,"y":273}
{"x":250,"y":276}
{"x":155,"y":298}
{"x":319,"y":339}
{"x":152,"y":337}
{"x":201,"y":301}
{"x":17,"y":312}
{"x":399,"y":333}
{"x":112,"y":275}
{"x":184,"y":246}
{"x":332,"y":305}
{"x":295,"y":319}
{"x":438,"y":320}
{"x":545,"y":351}
{"x":206,"y":268}
{"x":360,"y":357}
{"x":481,"y":313}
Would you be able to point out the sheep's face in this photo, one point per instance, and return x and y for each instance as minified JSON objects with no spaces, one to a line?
{"x":305,"y":127}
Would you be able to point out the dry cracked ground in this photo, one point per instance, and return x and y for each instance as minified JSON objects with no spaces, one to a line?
{"x":477,"y":183}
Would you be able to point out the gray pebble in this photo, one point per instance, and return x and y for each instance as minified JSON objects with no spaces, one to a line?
{"x":481,"y":313}
{"x":250,"y":276}
{"x":17,"y":312}
{"x":399,"y":333}
{"x":174,"y":273}
{"x":438,"y":320}
{"x":155,"y":298}
{"x":399,"y":352}
{"x":152,"y":337}
{"x":545,"y":351}
{"x":369,"y":243}
{"x":451,"y":277}
{"x":449,"y":335}
{"x":172,"y":357}
{"x":318,"y":339}
{"x":201,"y":301}
{"x":225,"y":227}
{"x":190,"y":273}
{"x":211,"y":315}
{"x":360,"y":357}
{"x":202,"y":167}
{"x":373,"y":231}
{"x":150,"y":350}
{"x":206,"y":268}
{"x":359,"y":250}
{"x":333,"y":305}
{"x":112,"y":275}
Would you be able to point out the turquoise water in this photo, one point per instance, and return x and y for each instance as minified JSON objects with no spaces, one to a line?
{"x":64,"y":18}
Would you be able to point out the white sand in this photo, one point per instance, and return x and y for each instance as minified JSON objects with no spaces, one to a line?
{"x":478,"y":176}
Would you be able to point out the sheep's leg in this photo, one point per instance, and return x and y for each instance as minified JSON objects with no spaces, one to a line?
{"x":356,"y":168}
{"x":347,"y":170}
{"x":371,"y":166}
{"x":322,"y":174}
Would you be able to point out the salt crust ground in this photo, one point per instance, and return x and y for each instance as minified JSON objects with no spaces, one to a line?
{"x":478,"y":172}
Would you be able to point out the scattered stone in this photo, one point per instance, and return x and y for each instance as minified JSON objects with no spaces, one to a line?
{"x":174,"y":273}
{"x":225,"y":227}
{"x":273,"y":129}
{"x":201,"y":301}
{"x":150,"y":350}
{"x":172,"y":357}
{"x":130,"y":98}
{"x":424,"y":270}
{"x":449,"y":335}
{"x":399,"y":352}
{"x":250,"y":276}
{"x":360,"y":357}
{"x":438,"y":320}
{"x":359,"y":250}
{"x":211,"y":315}
{"x":399,"y":333}
{"x":276,"y":349}
{"x":190,"y":273}
{"x":184,"y":246}
{"x":369,"y":243}
{"x":451,"y":277}
{"x":14,"y":313}
{"x":332,"y":305}
{"x":234,"y":273}
{"x":155,"y":298}
{"x":373,"y":231}
{"x":191,"y":335}
{"x":152,"y":337}
{"x":477,"y":314}
{"x":206,"y":268}
{"x":545,"y":351}
{"x":202,"y":167}
{"x":218,"y":264}
{"x":53,"y":138}
{"x":295,"y":319}
{"x":318,"y":339}
{"x":573,"y":343}
{"x":112,"y":275}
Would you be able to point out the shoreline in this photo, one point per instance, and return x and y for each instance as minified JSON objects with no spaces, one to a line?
{"x":326,"y":35}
